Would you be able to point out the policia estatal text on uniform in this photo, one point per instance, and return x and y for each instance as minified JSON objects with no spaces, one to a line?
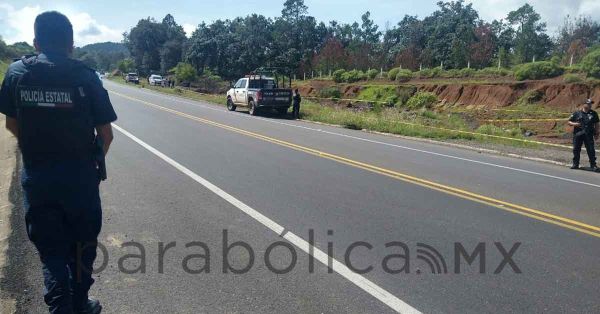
{"x":48,"y":97}
{"x":61,"y":116}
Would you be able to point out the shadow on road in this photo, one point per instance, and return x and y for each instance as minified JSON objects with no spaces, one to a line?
{"x":271,"y":114}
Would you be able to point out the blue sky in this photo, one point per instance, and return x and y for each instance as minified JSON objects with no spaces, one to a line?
{"x":96,"y":21}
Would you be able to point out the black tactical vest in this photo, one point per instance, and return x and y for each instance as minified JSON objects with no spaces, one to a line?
{"x":54,"y":111}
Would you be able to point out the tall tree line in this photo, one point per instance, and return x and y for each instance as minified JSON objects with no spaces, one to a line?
{"x":453,"y":36}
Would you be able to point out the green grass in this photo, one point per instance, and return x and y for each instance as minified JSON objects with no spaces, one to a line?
{"x":385,"y":94}
{"x":3,"y":68}
{"x":421,"y":123}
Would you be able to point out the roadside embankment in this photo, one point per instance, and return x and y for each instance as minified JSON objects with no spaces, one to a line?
{"x":8,"y":164}
{"x":551,"y":94}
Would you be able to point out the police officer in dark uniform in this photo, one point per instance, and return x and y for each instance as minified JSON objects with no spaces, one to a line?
{"x":586,"y":129}
{"x":296,"y":100}
{"x":58,"y":110}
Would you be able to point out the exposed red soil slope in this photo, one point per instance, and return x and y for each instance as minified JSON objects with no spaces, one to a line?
{"x":554,"y":93}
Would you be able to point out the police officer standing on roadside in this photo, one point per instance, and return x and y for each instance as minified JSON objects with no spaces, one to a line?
{"x":586,"y":129}
{"x":59,"y":112}
{"x":296,"y":100}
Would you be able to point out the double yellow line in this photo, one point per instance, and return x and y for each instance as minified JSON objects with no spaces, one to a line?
{"x":514,"y":208}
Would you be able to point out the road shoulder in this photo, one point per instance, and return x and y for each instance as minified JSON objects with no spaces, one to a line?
{"x":7,"y":169}
{"x":19,"y":270}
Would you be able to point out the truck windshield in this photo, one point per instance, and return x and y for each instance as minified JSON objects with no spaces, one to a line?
{"x":263,"y":84}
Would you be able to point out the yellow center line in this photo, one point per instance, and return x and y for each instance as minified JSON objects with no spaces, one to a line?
{"x":510,"y":207}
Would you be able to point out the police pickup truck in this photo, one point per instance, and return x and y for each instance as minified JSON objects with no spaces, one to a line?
{"x":132,"y":78}
{"x":258,"y":92}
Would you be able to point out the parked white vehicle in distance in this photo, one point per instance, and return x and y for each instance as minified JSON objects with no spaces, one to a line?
{"x":100,"y":77}
{"x":155,"y":80}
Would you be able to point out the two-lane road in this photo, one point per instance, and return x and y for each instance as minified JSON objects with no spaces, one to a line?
{"x":187,"y":172}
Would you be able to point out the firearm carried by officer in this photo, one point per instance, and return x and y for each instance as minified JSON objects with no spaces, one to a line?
{"x":586,"y":130}
{"x":99,"y":156}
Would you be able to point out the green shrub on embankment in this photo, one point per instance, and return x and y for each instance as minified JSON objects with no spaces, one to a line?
{"x":422,"y":100}
{"x":591,"y":63}
{"x":380,"y":94}
{"x":372,"y":74}
{"x":538,"y":70}
{"x":337,"y":75}
{"x":393,"y":73}
{"x":404,"y":76}
{"x":330,"y":92}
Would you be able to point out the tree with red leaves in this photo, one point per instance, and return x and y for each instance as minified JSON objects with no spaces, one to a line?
{"x":482,"y":50}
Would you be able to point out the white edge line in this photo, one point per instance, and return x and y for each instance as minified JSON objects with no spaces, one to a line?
{"x":368,"y":286}
{"x":175,"y":98}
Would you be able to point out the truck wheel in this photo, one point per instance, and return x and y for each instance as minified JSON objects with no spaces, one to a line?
{"x":253,"y":110}
{"x":230,"y":105}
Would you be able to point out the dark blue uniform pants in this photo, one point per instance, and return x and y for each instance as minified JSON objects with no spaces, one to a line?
{"x":296,"y":110}
{"x":63,"y":218}
{"x":588,"y":141}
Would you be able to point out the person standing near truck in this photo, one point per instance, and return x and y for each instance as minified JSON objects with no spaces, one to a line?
{"x":296,"y":104}
{"x":586,"y":129}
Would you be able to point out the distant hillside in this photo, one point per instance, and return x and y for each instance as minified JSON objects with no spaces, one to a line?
{"x":106,"y":47}
{"x":102,"y":56}
{"x":16,"y":50}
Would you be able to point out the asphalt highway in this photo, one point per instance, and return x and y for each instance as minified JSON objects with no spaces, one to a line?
{"x":332,"y":220}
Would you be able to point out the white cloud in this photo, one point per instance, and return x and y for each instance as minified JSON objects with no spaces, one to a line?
{"x":552,"y":12}
{"x":17,"y":25}
{"x":189,"y":29}
{"x":87,"y":30}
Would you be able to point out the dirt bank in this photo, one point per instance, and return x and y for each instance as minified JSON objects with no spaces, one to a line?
{"x":552,"y":94}
{"x":564,"y":97}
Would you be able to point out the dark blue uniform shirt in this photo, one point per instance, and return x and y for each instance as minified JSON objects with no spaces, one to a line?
{"x":61,"y":195}
{"x":588,"y":121}
{"x":102,"y":111}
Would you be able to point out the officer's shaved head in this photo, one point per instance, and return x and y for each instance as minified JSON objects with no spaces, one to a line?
{"x":53,"y":32}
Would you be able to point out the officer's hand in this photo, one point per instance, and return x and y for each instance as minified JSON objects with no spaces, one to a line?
{"x":576,"y":124}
